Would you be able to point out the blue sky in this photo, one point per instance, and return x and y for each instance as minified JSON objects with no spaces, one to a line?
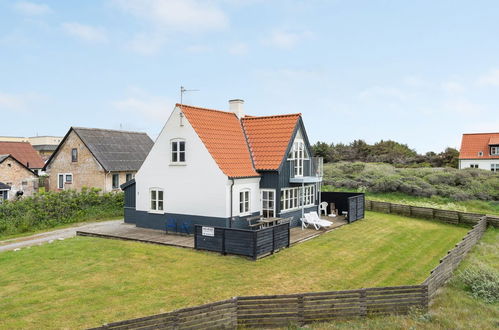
{"x":418,"y":72}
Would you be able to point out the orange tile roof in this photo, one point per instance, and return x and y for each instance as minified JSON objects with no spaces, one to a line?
{"x":269,"y":138}
{"x":223,"y":136}
{"x":472,"y":144}
{"x":22,"y":152}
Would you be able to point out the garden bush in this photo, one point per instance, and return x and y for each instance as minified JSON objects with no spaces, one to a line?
{"x":482,"y":282}
{"x":48,"y":209}
{"x":457,"y":185}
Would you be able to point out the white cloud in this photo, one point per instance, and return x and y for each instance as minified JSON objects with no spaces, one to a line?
{"x":146,"y":44}
{"x":177,"y":15}
{"x":85,"y":32}
{"x":286,"y":39}
{"x":490,"y":79}
{"x":146,"y":106}
{"x":239,"y":48}
{"x":32,"y":9}
{"x":452,"y":87}
{"x":384,"y":92}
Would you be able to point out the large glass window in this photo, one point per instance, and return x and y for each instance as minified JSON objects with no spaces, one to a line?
{"x":178,"y":151}
{"x":291,"y":198}
{"x":157,"y":199}
{"x":244,"y":202}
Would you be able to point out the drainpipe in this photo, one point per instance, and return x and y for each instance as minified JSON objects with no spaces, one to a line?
{"x":231,"y":197}
{"x":303,"y":199}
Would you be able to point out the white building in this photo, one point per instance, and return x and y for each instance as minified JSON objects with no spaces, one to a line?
{"x":480,"y":150}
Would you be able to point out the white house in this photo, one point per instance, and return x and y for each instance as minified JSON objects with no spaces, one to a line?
{"x":216,"y":168}
{"x":480,"y":150}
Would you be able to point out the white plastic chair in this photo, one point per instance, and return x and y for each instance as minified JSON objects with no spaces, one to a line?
{"x":323,"y":208}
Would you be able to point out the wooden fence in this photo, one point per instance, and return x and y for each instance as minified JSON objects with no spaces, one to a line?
{"x":246,"y":242}
{"x":440,"y":274}
{"x":302,"y":308}
{"x":453,"y":217}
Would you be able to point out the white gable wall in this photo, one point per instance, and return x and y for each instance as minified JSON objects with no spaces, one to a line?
{"x":197,"y":188}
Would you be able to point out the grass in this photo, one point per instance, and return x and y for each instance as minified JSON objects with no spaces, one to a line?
{"x":84,"y":282}
{"x":453,"y":307}
{"x":438,"y":202}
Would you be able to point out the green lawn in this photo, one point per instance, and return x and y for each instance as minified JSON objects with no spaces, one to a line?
{"x":452,"y":308}
{"x":84,"y":282}
{"x":438,"y":202}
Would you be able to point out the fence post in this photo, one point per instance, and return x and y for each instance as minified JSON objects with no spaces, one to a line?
{"x":254,"y":244}
{"x":363,"y":302}
{"x":301,"y":310}
{"x":223,"y":241}
{"x":195,"y":237}
{"x":273,"y":239}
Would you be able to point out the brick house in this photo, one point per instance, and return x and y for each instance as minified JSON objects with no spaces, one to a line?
{"x":24,"y":153}
{"x":17,"y":178}
{"x":98,"y":158}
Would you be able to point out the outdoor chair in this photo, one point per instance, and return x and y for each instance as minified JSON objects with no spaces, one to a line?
{"x":323,"y":208}
{"x":171,"y":224}
{"x":313,"y":219}
{"x":254,"y":222}
{"x":186,"y":227}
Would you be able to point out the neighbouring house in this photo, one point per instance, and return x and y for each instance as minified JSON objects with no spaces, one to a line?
{"x":4,"y":192}
{"x":44,"y":145}
{"x":480,"y":150}
{"x":97,"y":158}
{"x":217,"y":168}
{"x":17,"y":178}
{"x":24,"y":153}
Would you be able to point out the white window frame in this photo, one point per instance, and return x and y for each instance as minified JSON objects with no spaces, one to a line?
{"x":112,"y":181}
{"x":244,"y":202}
{"x":64,"y":182}
{"x":473,"y":165}
{"x":494,"y":151}
{"x":156,"y":208}
{"x":178,"y":152}
{"x":298,"y":155}
{"x":291,"y":198}
{"x":263,"y":199}
{"x":494,"y":167}
{"x":66,"y":178}
{"x":4,"y":195}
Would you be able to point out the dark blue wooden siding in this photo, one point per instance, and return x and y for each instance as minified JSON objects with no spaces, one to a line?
{"x":130,"y":196}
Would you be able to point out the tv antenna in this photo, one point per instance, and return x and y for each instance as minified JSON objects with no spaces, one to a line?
{"x":183,"y":90}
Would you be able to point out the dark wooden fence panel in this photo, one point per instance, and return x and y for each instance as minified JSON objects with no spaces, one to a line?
{"x":452,"y":217}
{"x":251,"y":243}
{"x":353,"y":203}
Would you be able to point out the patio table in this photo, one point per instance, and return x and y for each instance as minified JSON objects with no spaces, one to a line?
{"x":268,"y":222}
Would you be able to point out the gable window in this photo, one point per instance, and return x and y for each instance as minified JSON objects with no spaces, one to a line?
{"x":74,"y":155}
{"x":494,"y":167}
{"x":129,"y":176}
{"x":473,"y":165}
{"x":494,"y":151}
{"x":157,"y":199}
{"x":116,"y":180}
{"x":268,"y":203}
{"x":244,"y":202}
{"x":178,"y":151}
{"x":297,"y":155}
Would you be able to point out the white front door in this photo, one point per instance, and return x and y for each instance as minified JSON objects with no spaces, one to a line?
{"x":268,"y":203}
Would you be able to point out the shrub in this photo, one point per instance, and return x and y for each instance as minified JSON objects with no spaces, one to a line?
{"x":48,"y":209}
{"x":482,"y":282}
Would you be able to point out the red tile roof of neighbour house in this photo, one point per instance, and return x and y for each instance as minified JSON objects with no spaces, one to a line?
{"x":473,"y":144}
{"x":23,"y":152}
{"x":223,"y":136}
{"x":268,"y":138}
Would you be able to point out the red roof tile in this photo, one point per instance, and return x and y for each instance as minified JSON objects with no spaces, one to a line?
{"x":472,"y":144}
{"x":23,"y":152}
{"x":269,"y":138}
{"x":223,"y":136}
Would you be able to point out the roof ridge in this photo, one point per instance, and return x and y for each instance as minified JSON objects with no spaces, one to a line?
{"x":201,"y":108}
{"x":272,"y":116}
{"x":107,"y":130}
{"x":480,"y":133}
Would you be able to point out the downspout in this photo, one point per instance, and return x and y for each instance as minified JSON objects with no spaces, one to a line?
{"x":231,"y":197}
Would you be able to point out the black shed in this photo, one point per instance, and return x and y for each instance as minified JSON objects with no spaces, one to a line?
{"x":353,"y":203}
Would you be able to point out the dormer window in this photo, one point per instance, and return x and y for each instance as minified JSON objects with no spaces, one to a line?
{"x":480,"y":154}
{"x":178,"y":151}
{"x":494,"y":151}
